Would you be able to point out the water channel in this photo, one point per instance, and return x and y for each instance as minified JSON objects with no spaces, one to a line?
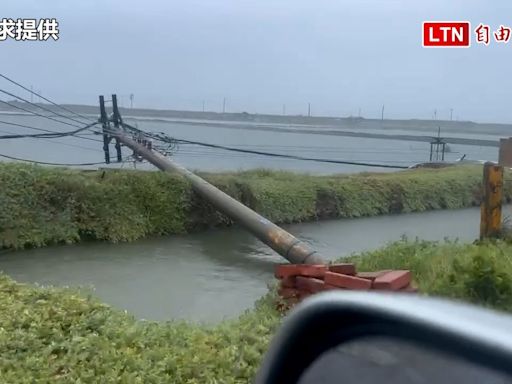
{"x":216,"y":274}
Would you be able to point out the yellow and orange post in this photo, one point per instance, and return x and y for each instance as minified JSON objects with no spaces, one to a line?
{"x":490,"y":218}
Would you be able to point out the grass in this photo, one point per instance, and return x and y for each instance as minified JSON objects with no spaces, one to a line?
{"x":41,"y":206}
{"x":57,"y":335}
{"x":478,"y":273}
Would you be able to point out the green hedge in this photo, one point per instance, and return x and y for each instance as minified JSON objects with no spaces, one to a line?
{"x":57,"y":336}
{"x":41,"y":206}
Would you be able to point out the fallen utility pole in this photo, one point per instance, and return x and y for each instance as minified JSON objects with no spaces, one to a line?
{"x":294,"y":250}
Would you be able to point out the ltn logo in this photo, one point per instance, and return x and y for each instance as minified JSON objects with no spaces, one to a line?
{"x":446,"y":34}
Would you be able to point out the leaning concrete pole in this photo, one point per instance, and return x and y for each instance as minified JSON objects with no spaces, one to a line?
{"x":287,"y":245}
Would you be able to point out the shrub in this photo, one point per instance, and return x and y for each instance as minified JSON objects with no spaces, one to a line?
{"x":41,"y":206}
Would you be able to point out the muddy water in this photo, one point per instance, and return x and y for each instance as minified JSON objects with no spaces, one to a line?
{"x":210,"y":276}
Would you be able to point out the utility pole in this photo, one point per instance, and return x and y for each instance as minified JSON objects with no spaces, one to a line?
{"x":291,"y":248}
{"x":438,"y":139}
{"x":309,"y":109}
{"x":435,"y":114}
{"x":105,"y":125}
{"x":439,"y":144}
{"x":224,"y":105}
{"x":131,"y":100}
{"x":382,"y":113}
{"x":117,"y":124}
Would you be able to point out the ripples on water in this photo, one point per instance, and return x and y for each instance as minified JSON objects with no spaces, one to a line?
{"x":212,"y":275}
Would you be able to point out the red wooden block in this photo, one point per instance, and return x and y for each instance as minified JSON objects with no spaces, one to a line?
{"x":393,"y":280}
{"x":287,"y":293}
{"x":372,"y":275}
{"x":288,"y":282}
{"x":346,"y":281}
{"x":287,"y":270}
{"x":309,"y":284}
{"x":344,"y":268}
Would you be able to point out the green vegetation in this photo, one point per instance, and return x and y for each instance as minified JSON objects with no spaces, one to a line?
{"x":41,"y":206}
{"x":56,"y":335}
{"x":52,"y":335}
{"x":478,"y":273}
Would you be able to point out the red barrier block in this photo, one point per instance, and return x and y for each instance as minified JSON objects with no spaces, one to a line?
{"x":309,"y":284}
{"x":372,"y":275}
{"x":288,"y":293}
{"x":344,"y":268}
{"x":393,"y":280}
{"x":287,"y":270}
{"x":346,"y":281}
{"x":288,"y":282}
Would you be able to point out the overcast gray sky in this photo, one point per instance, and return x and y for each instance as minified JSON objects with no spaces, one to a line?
{"x":261,"y":54}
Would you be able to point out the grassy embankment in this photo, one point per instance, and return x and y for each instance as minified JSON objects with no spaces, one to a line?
{"x":42,"y":206}
{"x":55,"y":335}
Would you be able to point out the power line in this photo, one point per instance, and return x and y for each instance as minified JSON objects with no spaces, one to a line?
{"x":48,"y":163}
{"x":44,"y":98}
{"x":293,"y":157}
{"x":43,"y":130}
{"x":200,"y":153}
{"x":38,"y":114}
{"x":48,"y":135}
{"x":59,"y":143}
{"x":24,"y":126}
{"x":165,"y":138}
{"x":324,"y":149}
{"x":40,"y":107}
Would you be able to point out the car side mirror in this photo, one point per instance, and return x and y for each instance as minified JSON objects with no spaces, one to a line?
{"x":355,"y":337}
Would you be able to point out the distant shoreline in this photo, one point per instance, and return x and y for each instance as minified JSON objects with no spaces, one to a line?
{"x":330,"y":127}
{"x":350,"y":123}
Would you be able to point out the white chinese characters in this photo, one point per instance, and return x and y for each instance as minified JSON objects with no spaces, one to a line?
{"x":29,"y":29}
